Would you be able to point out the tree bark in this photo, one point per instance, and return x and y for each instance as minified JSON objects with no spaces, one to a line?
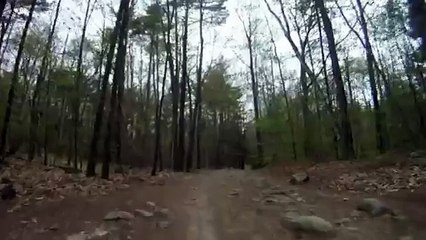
{"x":254,"y":87}
{"x":344,"y":122}
{"x":14,"y":82}
{"x":118,"y":82}
{"x":380,"y":141}
{"x":179,"y":164}
{"x":195,"y":120}
{"x":97,"y":126}
{"x":35,"y":111}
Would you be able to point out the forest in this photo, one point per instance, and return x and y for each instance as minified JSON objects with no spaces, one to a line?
{"x":100,"y":85}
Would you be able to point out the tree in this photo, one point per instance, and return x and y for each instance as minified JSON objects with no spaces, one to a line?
{"x":14,"y":81}
{"x":344,"y":123}
{"x":97,"y":126}
{"x":116,"y":92}
{"x":35,"y":111}
{"x":249,"y":31}
{"x":179,"y":161}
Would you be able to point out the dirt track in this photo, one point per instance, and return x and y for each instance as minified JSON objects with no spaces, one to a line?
{"x":223,"y":204}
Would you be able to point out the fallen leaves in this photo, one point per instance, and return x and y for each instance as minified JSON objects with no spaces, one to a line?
{"x":381,"y":180}
{"x":34,"y":182}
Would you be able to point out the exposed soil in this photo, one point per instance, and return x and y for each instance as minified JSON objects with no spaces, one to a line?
{"x":222,"y":204}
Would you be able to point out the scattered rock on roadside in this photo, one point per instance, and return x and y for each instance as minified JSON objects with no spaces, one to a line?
{"x":143,"y":213}
{"x":234,"y":193}
{"x":54,"y":227}
{"x":300,"y":177}
{"x":342,"y":221}
{"x":308,"y":224}
{"x":118,"y":215}
{"x":78,"y":236}
{"x":162,"y":213}
{"x":374,"y":207}
{"x":151,"y":204}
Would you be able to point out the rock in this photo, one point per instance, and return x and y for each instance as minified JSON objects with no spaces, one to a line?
{"x":151,"y":204}
{"x":406,"y":238}
{"x":308,"y":224}
{"x":99,"y":233}
{"x":143,"y":213}
{"x":374,"y":207}
{"x":119,"y":215}
{"x":8,"y":192}
{"x":234,"y":193}
{"x":54,"y":227}
{"x":342,"y":221}
{"x":418,"y":154}
{"x":162,"y":213}
{"x":300,"y":177}
{"x":78,"y":236}
{"x":163,"y":224}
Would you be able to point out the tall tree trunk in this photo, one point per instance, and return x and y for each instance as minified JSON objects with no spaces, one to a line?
{"x":35,"y":111}
{"x":335,"y":127}
{"x":195,"y":123}
{"x":118,"y":82}
{"x":345,"y":125}
{"x":79,"y":73}
{"x":380,"y":141}
{"x":14,"y":82}
{"x":97,"y":126}
{"x":158,"y":119}
{"x":175,"y":90}
{"x":255,"y":92}
{"x":179,"y":164}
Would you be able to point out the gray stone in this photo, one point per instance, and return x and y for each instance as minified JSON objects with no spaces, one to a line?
{"x":300,"y":177}
{"x":374,"y":207}
{"x":308,"y":224}
{"x":162,"y":213}
{"x":99,"y":233}
{"x":342,"y":221}
{"x":78,"y":236}
{"x":418,"y":154}
{"x":118,"y":215}
{"x":143,"y":213}
{"x":151,"y":204}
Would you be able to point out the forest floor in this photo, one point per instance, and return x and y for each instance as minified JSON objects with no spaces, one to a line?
{"x":217,"y":204}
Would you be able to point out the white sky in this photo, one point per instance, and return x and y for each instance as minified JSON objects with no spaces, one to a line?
{"x":227,"y":40}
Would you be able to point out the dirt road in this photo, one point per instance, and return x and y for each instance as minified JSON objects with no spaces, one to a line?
{"x":211,"y":205}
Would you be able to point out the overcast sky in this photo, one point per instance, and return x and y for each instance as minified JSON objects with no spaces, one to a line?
{"x":226,"y":40}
